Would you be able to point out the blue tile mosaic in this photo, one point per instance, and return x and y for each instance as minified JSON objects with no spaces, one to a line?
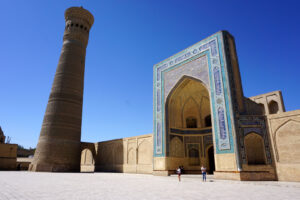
{"x":212,"y":48}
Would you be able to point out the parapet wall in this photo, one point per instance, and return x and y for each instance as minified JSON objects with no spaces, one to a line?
{"x":127,"y":155}
{"x":271,"y":102}
{"x":8,"y":156}
{"x":285,"y":136}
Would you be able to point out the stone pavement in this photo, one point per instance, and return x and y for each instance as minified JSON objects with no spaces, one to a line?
{"x":29,"y":185}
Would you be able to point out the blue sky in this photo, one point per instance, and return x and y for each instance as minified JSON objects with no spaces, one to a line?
{"x":126,"y":40}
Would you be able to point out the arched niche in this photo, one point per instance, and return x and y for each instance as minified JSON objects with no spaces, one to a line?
{"x":193,"y":154}
{"x":287,"y":139}
{"x":131,"y":156}
{"x":87,"y":157}
{"x":176,"y":147}
{"x":190,"y":113}
{"x":145,"y":152}
{"x":188,"y":101}
{"x":191,"y":122}
{"x":273,"y":107}
{"x":255,"y":149}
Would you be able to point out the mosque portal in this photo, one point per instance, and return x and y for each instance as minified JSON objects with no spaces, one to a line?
{"x":201,"y":116}
{"x":188,"y":121}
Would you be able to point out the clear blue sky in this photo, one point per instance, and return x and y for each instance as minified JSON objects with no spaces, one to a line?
{"x":127,"y":39}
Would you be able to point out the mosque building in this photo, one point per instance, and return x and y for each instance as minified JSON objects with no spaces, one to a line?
{"x":200,"y":117}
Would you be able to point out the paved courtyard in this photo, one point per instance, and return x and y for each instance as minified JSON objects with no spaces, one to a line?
{"x":29,"y":185}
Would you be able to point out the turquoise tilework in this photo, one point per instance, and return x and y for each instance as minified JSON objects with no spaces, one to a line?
{"x":212,"y":47}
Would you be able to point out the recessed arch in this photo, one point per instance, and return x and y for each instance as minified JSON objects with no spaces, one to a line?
{"x":144,"y":152}
{"x":176,"y":147}
{"x":87,"y":157}
{"x":287,"y":141}
{"x":131,"y":156}
{"x":181,"y":80}
{"x":193,"y":155}
{"x":191,"y":122}
{"x":187,"y":105}
{"x":185,"y":100}
{"x":190,"y":112}
{"x":273,"y":107}
{"x":255,"y":149}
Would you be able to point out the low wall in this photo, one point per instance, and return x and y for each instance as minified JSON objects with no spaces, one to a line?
{"x":285,"y":137}
{"x":128,"y":155}
{"x":8,"y":156}
{"x":244,"y":175}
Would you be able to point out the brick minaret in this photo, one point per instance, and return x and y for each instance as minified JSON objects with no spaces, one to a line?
{"x":58,"y":149}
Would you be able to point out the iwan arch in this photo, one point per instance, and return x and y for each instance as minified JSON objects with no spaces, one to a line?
{"x":208,"y":76}
{"x":188,"y":125}
{"x":201,"y":117}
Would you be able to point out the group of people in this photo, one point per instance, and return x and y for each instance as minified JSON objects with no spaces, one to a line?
{"x":180,"y":169}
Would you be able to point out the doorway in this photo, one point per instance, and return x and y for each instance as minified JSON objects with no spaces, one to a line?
{"x":211,"y":160}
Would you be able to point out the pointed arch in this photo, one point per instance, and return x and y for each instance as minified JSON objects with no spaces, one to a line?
{"x":176,"y":147}
{"x":287,"y":142}
{"x":273,"y":107}
{"x":190,"y":112}
{"x":188,"y":92}
{"x":194,"y":156}
{"x":182,"y":80}
{"x":87,"y":157}
{"x":131,"y":156}
{"x":255,"y":149}
{"x":144,"y":152}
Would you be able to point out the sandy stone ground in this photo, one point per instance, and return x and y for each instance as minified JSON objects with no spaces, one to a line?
{"x":29,"y":185}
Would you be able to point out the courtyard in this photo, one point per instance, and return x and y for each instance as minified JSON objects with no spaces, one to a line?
{"x":27,"y":185}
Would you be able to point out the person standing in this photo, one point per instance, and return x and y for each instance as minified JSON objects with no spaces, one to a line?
{"x":203,"y":170}
{"x":178,"y":171}
{"x":182,"y":169}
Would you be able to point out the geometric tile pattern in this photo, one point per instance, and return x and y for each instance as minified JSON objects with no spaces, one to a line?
{"x":213,"y":49}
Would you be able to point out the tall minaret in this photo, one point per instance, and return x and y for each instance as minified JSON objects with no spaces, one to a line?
{"x":58,"y":149}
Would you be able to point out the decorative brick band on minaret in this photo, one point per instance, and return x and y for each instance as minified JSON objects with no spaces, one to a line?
{"x":58,"y":149}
